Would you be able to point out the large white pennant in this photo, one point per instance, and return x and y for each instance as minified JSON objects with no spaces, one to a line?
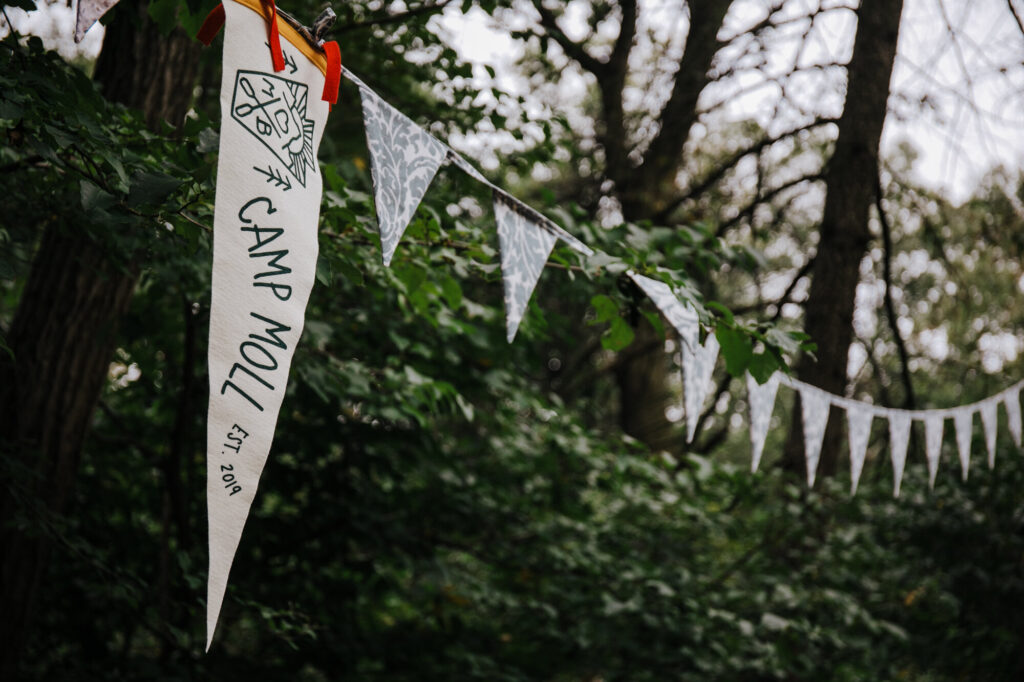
{"x":403,"y":160}
{"x":963,"y":421}
{"x":264,"y":262}
{"x":933,"y":444}
{"x":899,"y":438}
{"x":814,"y":405}
{"x":762,"y":402}
{"x":697,"y":369}
{"x":525,"y":248}
{"x":859,"y":427}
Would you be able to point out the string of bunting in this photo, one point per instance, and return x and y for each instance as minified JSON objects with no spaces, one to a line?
{"x":265,"y":249}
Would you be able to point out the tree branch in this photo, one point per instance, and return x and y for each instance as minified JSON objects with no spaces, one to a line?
{"x":393,"y":18}
{"x":890,"y":309}
{"x":572,"y":49}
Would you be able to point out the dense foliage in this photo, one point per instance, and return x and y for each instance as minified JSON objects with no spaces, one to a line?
{"x":441,"y":505}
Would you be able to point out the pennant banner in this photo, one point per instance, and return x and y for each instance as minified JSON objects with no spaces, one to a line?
{"x":264,"y":261}
{"x":525,"y":248}
{"x":933,"y":444}
{"x":678,"y":314}
{"x":963,"y":420}
{"x":899,"y":437}
{"x":858,"y":421}
{"x":403,"y":161}
{"x":762,"y":403}
{"x":697,"y":369}
{"x":814,"y":406}
{"x":88,"y":13}
{"x":989,"y":422}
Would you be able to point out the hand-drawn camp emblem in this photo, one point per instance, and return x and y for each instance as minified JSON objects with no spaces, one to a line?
{"x":274,"y":110}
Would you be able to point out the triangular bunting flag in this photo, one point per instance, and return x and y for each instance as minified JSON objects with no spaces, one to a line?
{"x":89,"y":12}
{"x":814,"y":405}
{"x":933,"y":444}
{"x":899,"y":437}
{"x":963,"y":420}
{"x":525,"y":248}
{"x":859,"y":426}
{"x":697,"y":369}
{"x":267,"y":207}
{"x":762,"y":403}
{"x":989,"y":422}
{"x":1012,"y":401}
{"x":678,"y":314}
{"x":403,"y":161}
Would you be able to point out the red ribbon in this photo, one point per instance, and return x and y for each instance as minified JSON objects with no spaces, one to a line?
{"x":212,"y":25}
{"x":275,"y":38}
{"x":332,"y":78}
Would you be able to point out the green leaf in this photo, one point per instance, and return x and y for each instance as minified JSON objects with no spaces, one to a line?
{"x":151,"y":188}
{"x":618,"y":335}
{"x":737,"y":349}
{"x":762,"y":366}
{"x":605,"y":308}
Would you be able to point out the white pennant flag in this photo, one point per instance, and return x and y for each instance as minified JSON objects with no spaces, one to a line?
{"x":990,"y":424}
{"x":859,"y":427}
{"x":525,"y":247}
{"x":1012,"y":401}
{"x":933,"y":444}
{"x":899,"y":437}
{"x":697,"y":369}
{"x":963,"y":420}
{"x":264,"y":262}
{"x":679,"y":315}
{"x":762,"y":403}
{"x":814,"y":405}
{"x":403,"y":161}
{"x":89,"y":12}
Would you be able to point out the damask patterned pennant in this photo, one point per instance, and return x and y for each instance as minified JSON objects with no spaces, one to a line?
{"x":899,"y":438}
{"x":403,"y":161}
{"x":525,"y":248}
{"x":990,"y":424}
{"x":267,"y":206}
{"x":697,"y":369}
{"x":963,"y":420}
{"x":762,"y":402}
{"x":814,"y":406}
{"x":933,"y":424}
{"x":678,"y":314}
{"x":858,"y":422}
{"x":88,"y":13}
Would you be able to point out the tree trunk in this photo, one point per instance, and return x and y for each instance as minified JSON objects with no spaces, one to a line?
{"x":851,"y":180}
{"x":64,"y":332}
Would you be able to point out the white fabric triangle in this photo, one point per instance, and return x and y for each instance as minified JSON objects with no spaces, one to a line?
{"x":814,"y":405}
{"x":264,"y":265}
{"x":697,"y":369}
{"x":1012,"y":401}
{"x":679,"y":315}
{"x":990,"y":424}
{"x":525,"y":248}
{"x":899,"y":437}
{"x":933,"y":444}
{"x":963,"y":420}
{"x":403,"y":161}
{"x":762,"y":404}
{"x":89,"y":12}
{"x":858,"y":421}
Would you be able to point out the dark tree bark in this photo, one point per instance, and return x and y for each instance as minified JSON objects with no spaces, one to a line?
{"x":64,"y":331}
{"x":851,"y":182}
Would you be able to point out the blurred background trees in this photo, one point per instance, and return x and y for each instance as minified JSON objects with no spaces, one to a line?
{"x":442,"y":505}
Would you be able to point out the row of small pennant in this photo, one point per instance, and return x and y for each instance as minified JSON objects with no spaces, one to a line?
{"x":404,"y":159}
